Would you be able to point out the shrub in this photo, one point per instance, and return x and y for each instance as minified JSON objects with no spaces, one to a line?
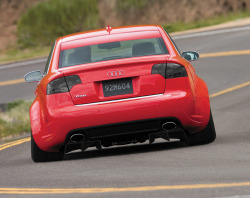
{"x":43,"y":23}
{"x":131,"y":5}
{"x":16,"y":119}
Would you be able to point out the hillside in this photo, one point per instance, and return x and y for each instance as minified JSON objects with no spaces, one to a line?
{"x":126,"y":12}
{"x":167,"y":11}
{"x":10,"y":12}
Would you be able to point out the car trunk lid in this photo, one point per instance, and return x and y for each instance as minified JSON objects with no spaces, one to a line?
{"x":116,"y":79}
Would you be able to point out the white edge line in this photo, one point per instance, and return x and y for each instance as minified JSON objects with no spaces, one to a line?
{"x":112,"y":101}
{"x":236,"y":196}
{"x":20,"y":64}
{"x":207,"y":33}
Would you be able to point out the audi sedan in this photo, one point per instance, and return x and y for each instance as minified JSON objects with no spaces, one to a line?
{"x":115,"y":87}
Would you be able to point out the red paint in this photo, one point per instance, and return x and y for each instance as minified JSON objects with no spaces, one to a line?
{"x":53,"y":116}
{"x":109,"y":38}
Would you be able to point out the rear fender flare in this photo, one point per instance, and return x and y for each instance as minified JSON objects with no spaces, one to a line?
{"x":202,"y":102}
{"x":37,"y":122}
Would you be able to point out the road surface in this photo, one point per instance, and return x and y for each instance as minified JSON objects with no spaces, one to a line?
{"x":219,"y":169}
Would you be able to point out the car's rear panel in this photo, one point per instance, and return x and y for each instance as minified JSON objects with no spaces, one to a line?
{"x":113,"y":95}
{"x":116,"y":80}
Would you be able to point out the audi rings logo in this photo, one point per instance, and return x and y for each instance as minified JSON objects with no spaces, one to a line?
{"x":116,"y":73}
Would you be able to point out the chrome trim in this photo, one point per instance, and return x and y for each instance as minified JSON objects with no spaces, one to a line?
{"x":120,"y":100}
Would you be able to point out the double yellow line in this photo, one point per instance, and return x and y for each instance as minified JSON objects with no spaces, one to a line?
{"x":14,"y":143}
{"x":126,"y":189}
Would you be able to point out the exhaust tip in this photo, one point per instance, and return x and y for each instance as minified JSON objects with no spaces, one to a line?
{"x":168,"y":126}
{"x":76,"y":138}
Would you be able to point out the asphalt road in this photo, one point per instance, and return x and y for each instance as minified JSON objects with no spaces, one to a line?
{"x":14,"y":71}
{"x":226,"y":160}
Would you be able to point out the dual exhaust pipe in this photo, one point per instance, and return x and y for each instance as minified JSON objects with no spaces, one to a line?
{"x":76,"y":138}
{"x":168,"y":126}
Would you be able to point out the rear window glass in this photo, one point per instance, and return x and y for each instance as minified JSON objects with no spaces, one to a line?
{"x":111,"y":51}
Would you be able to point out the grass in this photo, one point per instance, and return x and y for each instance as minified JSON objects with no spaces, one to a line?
{"x":15,"y":120}
{"x":43,"y":23}
{"x":180,"y":26}
{"x":16,"y":54}
{"x":42,"y":48}
{"x":131,"y":5}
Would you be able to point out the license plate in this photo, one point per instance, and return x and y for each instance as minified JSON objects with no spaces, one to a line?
{"x":117,"y":87}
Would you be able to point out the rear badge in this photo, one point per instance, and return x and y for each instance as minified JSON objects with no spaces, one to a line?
{"x":81,"y":96}
{"x":116,"y":73}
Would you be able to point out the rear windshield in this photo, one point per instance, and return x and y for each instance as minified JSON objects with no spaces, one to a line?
{"x":111,"y":51}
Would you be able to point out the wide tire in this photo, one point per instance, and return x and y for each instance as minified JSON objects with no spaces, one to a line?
{"x":205,"y":136}
{"x":39,"y":155}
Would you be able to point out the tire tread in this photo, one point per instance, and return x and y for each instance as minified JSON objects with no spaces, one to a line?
{"x":39,"y":155}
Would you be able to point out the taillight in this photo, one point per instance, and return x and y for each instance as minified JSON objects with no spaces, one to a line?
{"x":57,"y":86}
{"x":175,"y":71}
{"x":159,"y":69}
{"x":63,"y":84}
{"x":169,"y":70}
{"x":72,"y":80}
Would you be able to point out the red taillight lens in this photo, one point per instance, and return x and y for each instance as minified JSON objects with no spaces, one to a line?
{"x":63,"y":84}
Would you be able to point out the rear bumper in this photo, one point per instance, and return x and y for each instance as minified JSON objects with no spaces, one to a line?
{"x":60,"y":121}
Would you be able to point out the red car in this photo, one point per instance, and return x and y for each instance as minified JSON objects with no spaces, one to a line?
{"x":114,"y":87}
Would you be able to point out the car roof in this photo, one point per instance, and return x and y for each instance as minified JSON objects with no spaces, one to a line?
{"x":103,"y":32}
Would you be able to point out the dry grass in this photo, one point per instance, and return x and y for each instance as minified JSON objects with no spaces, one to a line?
{"x":16,"y":119}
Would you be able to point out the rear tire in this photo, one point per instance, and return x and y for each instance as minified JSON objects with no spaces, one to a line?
{"x":205,"y":136}
{"x":39,"y":155}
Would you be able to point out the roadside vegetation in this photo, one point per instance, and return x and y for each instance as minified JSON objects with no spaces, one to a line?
{"x":132,"y":5}
{"x":180,"y":26}
{"x":15,"y":120}
{"x":16,"y":54}
{"x":42,"y":24}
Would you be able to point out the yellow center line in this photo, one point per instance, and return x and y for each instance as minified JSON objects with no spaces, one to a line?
{"x":12,"y":82}
{"x":10,"y":144}
{"x":229,"y":53}
{"x":230,"y":89}
{"x":206,"y":55}
{"x":14,"y":143}
{"x":126,"y":189}
{"x":134,"y":189}
{"x":131,"y":189}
